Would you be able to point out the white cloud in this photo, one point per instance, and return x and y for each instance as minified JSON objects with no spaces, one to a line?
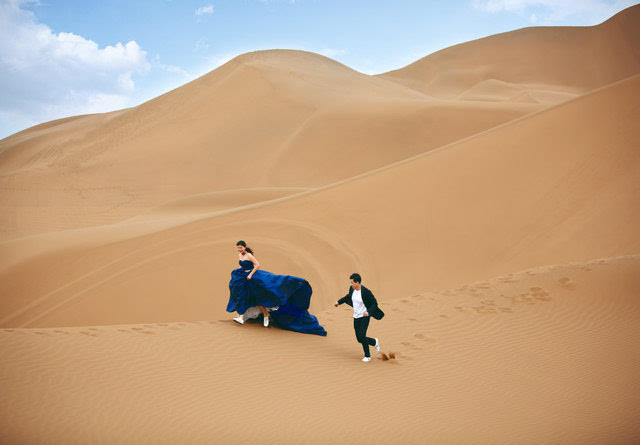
{"x":45,"y":76}
{"x":201,"y":46}
{"x":205,"y":10}
{"x":171,"y":68}
{"x":589,"y":12}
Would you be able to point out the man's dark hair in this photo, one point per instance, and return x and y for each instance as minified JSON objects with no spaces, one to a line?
{"x":356,"y":277}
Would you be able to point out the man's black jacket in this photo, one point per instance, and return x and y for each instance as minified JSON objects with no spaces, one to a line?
{"x":368,"y":299}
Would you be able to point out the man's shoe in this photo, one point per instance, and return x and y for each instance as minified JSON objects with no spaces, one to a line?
{"x":366,"y":359}
{"x":239,"y":320}
{"x":266,"y":321}
{"x":377,"y":346}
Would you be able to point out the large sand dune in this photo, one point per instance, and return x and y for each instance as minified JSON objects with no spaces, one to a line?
{"x":489,"y":195}
{"x":540,"y":64}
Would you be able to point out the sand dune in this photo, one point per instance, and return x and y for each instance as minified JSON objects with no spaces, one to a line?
{"x":561,"y":60}
{"x":266,"y":119}
{"x":487,"y":193}
{"x":546,"y":188}
{"x":546,"y":355}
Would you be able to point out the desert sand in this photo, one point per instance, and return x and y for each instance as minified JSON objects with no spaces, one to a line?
{"x":489,"y":194}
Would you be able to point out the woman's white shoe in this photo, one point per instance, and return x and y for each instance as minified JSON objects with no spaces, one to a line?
{"x":239,"y":320}
{"x":266,"y":321}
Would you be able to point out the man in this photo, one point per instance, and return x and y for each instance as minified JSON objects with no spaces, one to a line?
{"x":364,"y":306}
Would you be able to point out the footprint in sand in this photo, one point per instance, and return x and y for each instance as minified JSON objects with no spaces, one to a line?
{"x":566,"y":283}
{"x":418,"y":297}
{"x":424,"y":338}
{"x":43,"y":333}
{"x":505,"y":309}
{"x":488,"y":302}
{"x":484,"y":309}
{"x":61,"y":332}
{"x":444,"y":316}
{"x":164,"y":324}
{"x":540,"y":294}
{"x":88,"y":333}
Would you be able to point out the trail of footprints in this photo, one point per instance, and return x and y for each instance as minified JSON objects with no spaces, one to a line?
{"x":494,"y":305}
{"x":489,"y":303}
{"x":146,"y":329}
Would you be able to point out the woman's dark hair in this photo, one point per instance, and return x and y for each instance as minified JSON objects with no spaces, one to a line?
{"x":356,"y":278}
{"x":243,"y":244}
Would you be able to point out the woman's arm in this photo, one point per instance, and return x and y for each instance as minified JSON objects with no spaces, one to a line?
{"x":256,"y":265}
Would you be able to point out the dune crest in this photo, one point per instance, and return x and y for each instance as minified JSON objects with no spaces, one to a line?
{"x":559,"y":60}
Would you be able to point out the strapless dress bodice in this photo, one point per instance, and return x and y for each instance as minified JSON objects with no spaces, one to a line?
{"x":246,"y":264}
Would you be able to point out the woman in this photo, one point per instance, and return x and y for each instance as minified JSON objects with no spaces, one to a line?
{"x":254,"y":291}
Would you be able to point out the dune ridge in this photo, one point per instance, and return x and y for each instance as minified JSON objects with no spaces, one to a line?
{"x":532,"y":60}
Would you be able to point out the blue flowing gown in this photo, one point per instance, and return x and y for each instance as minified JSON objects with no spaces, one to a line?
{"x":292,"y":295}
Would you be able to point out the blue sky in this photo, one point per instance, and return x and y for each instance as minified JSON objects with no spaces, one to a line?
{"x":61,"y":58}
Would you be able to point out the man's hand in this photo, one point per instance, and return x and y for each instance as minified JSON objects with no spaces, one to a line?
{"x":336,"y":304}
{"x":366,"y":314}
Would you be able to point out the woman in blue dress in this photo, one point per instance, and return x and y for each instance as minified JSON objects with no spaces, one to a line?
{"x":283,"y":298}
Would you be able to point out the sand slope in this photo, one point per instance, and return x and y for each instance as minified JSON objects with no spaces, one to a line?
{"x":557,"y":186}
{"x":547,"y":355}
{"x":267,"y":119}
{"x":542,"y":64}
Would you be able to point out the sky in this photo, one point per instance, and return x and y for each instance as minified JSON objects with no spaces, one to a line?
{"x":61,"y":58}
